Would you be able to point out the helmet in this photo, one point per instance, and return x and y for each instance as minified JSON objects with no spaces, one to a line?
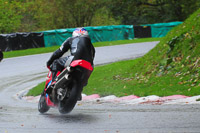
{"x":79,"y":32}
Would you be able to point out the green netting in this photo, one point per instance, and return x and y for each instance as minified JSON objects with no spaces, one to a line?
{"x":161,"y":29}
{"x":97,"y":34}
{"x":106,"y":33}
{"x":56,"y":37}
{"x":111,"y":33}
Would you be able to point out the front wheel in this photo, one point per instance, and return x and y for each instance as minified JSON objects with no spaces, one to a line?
{"x":67,"y":105}
{"x":42,"y":105}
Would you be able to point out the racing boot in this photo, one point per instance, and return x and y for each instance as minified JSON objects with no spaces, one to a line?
{"x":79,"y":97}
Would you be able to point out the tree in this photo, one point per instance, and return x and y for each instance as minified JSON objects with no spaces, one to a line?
{"x":39,"y":15}
{"x":10,"y":16}
{"x":104,"y":17}
{"x":152,"y":11}
{"x":52,"y":14}
{"x":181,"y":9}
{"x":79,"y":13}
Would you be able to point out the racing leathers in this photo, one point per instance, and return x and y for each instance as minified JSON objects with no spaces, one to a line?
{"x":80,"y":48}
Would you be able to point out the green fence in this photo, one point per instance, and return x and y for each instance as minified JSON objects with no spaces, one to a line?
{"x":161,"y":29}
{"x":56,"y":37}
{"x":97,"y":34}
{"x":106,"y":33}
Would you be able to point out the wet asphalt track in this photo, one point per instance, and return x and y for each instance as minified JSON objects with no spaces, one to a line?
{"x":18,"y":116}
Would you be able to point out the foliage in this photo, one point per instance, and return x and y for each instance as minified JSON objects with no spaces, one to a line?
{"x":82,"y":15}
{"x":152,"y":11}
{"x":10,"y":15}
{"x":40,"y":15}
{"x":104,"y":17}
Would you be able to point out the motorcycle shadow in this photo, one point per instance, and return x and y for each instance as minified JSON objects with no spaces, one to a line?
{"x":71,"y":118}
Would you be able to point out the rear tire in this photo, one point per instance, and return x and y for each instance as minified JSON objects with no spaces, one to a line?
{"x":42,"y":105}
{"x":67,"y":105}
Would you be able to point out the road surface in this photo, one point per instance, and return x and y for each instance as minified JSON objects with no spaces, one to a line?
{"x":19,"y":116}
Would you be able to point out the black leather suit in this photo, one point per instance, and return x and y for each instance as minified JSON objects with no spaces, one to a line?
{"x":80,"y":48}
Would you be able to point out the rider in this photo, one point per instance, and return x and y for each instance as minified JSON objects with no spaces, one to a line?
{"x":80,"y":47}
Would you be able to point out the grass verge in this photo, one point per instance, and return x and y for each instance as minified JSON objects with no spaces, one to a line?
{"x":117,"y":79}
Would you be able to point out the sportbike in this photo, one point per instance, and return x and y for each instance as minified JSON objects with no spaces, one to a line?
{"x":67,"y":89}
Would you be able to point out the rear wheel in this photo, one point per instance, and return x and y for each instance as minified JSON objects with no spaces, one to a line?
{"x":42,"y":105}
{"x":67,"y":105}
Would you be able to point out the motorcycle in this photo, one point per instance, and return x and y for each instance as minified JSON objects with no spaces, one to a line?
{"x":67,"y":89}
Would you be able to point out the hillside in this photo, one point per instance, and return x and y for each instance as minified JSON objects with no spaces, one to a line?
{"x":175,"y":61}
{"x":172,"y":67}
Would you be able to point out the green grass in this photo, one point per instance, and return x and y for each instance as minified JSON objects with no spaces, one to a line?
{"x":121,"y":79}
{"x":110,"y":43}
{"x":31,"y":51}
{"x":36,"y":90}
{"x":53,"y":48}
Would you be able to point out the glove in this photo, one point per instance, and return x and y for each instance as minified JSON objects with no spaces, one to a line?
{"x":48,"y":65}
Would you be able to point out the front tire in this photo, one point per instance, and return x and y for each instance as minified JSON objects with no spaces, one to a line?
{"x":42,"y":105}
{"x":67,"y":105}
